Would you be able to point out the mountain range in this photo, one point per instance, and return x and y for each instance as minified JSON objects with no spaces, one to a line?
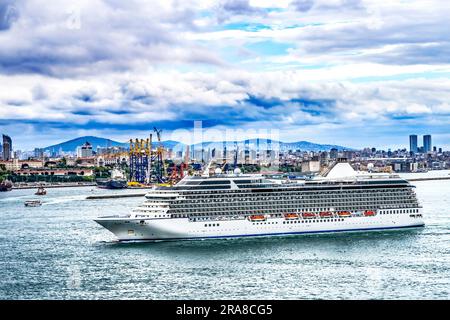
{"x":71,"y":145}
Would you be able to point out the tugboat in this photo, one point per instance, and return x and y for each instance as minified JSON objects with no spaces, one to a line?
{"x":5,"y":186}
{"x":117,"y":181}
{"x":41,"y":191}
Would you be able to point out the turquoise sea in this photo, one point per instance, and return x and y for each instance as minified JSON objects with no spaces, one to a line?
{"x":56,"y":251}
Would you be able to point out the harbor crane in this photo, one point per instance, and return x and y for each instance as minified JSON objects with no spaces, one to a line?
{"x":161,"y":171}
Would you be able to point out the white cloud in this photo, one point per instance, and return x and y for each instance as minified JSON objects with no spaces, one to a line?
{"x":117,"y":64}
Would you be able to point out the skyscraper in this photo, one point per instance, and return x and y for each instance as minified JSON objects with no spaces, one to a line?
{"x":426,"y":143}
{"x":7,"y":148}
{"x":84,"y":151}
{"x":413,"y":143}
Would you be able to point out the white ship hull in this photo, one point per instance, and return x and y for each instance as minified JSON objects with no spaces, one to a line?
{"x":155,"y":229}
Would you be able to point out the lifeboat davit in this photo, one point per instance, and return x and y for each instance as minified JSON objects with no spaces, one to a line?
{"x":326,"y":214}
{"x":344,"y":214}
{"x":369,"y":213}
{"x":291,"y":216}
{"x":308,"y":215}
{"x":257,"y":218}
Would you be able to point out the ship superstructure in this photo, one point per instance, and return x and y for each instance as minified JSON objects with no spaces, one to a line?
{"x":238,"y":205}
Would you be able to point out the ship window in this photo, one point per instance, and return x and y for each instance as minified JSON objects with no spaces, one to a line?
{"x":206,"y":225}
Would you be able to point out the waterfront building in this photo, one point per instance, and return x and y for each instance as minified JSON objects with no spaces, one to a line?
{"x":112,"y":159}
{"x":7,"y":148}
{"x":11,"y":165}
{"x":427,"y":143}
{"x":86,"y":162}
{"x":413,"y":143}
{"x":56,"y":172}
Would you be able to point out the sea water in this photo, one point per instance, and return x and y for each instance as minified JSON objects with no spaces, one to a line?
{"x":56,"y":251}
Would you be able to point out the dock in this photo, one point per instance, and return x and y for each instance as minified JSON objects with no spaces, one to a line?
{"x":114,"y":196}
{"x":62,"y":185}
{"x":430,"y":178}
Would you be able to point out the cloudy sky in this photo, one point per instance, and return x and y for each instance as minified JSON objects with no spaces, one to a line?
{"x":350,"y":72}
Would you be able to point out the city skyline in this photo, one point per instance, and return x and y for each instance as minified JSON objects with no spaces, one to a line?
{"x":57,"y":150}
{"x":345,"y":72}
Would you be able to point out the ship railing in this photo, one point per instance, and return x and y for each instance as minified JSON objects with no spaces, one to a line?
{"x":217,"y":218}
{"x":116,"y":216}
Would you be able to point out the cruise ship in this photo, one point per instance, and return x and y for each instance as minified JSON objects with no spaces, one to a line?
{"x":240,"y":205}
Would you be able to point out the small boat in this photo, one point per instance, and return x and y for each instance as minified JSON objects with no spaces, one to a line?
{"x":5,"y":186}
{"x":257,"y":218}
{"x":291,"y":216}
{"x":326,"y":214}
{"x":344,"y":214}
{"x":116,"y":181}
{"x":369,"y":213}
{"x":308,"y":215}
{"x":33,"y":203}
{"x":41,"y":191}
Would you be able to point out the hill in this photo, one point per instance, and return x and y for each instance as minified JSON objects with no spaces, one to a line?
{"x":263,"y":145}
{"x":71,"y":145}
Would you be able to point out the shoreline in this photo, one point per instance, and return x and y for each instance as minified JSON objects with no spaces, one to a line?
{"x":72,"y":185}
{"x":54,"y":186}
{"x":93,"y":184}
{"x":430,"y":178}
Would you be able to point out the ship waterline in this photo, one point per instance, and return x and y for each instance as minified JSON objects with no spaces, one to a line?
{"x":175,"y":229}
{"x":236,"y":205}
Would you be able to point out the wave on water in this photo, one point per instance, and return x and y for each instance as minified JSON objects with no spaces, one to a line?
{"x":64,"y":199}
{"x":11,"y":199}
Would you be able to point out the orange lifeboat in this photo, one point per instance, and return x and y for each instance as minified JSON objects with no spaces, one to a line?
{"x":257,"y":218}
{"x":344,"y":214}
{"x":326,"y":214}
{"x":369,"y":213}
{"x":308,"y":215}
{"x":291,"y":216}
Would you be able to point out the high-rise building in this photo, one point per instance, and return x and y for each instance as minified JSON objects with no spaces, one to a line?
{"x":333,"y":153}
{"x":413,"y":143}
{"x":426,"y":143}
{"x":84,"y":151}
{"x":7,"y":148}
{"x":38,"y":153}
